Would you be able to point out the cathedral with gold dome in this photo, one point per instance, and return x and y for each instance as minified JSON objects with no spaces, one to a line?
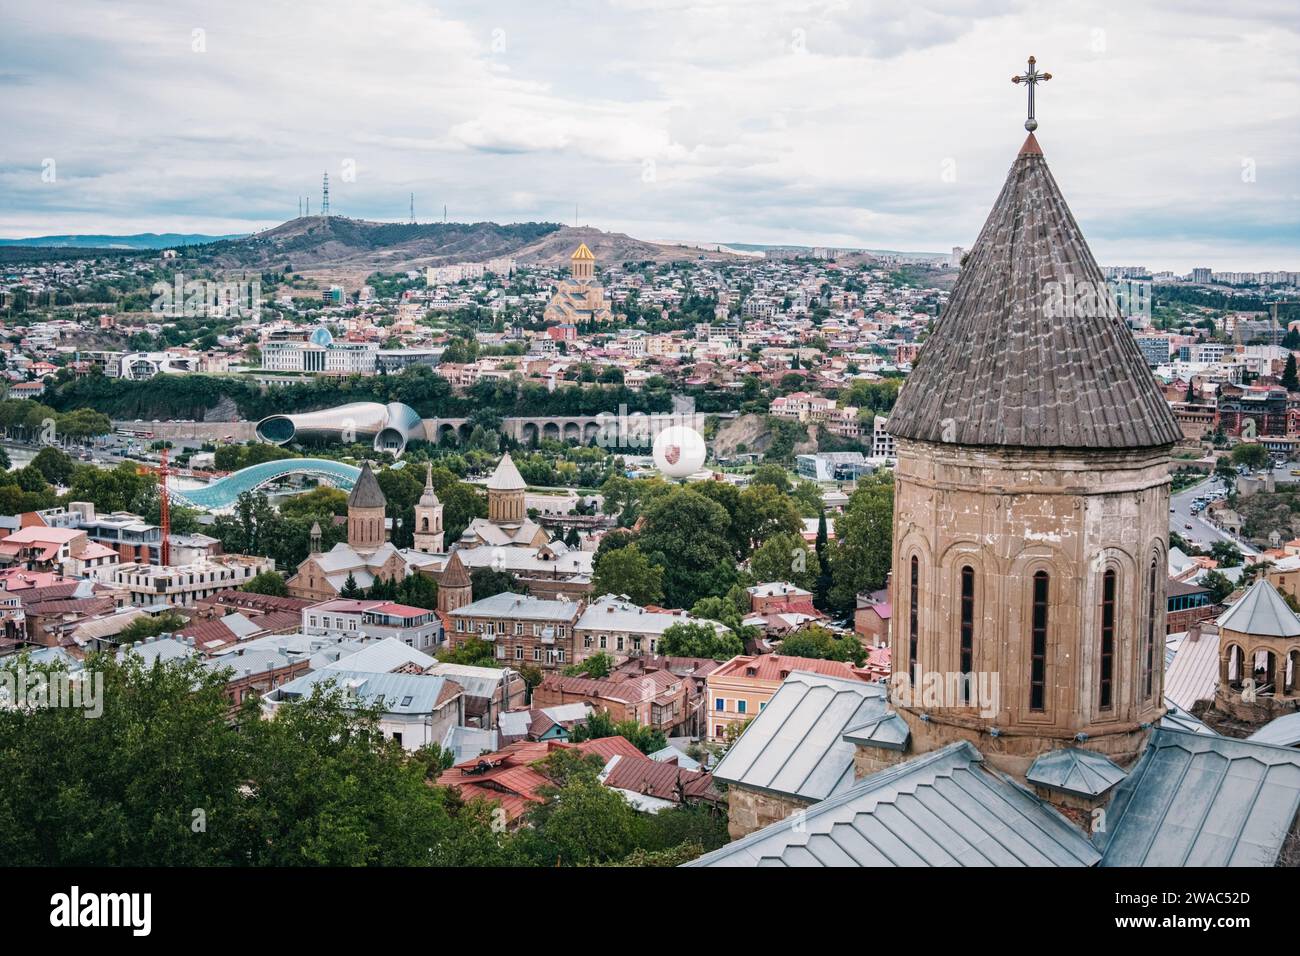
{"x":580,"y":298}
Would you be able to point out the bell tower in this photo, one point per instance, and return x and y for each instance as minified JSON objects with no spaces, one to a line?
{"x":454,"y":587}
{"x":506,"y":494}
{"x":582,"y":264}
{"x":1031,"y":501}
{"x":366,"y":508}
{"x":428,"y":518}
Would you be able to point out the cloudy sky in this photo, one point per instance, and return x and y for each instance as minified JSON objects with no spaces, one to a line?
{"x":1171,"y":125}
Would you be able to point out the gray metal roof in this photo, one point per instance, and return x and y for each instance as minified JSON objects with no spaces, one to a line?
{"x":886,"y":730}
{"x":1281,"y":731}
{"x":1262,"y":612}
{"x":1176,"y":718}
{"x":1196,"y":800}
{"x":506,"y":477}
{"x":413,"y":694}
{"x":1004,"y":366}
{"x":944,"y":808}
{"x":796,"y":746}
{"x":1080,"y":772}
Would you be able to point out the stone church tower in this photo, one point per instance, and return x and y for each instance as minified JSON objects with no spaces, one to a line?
{"x":582,"y":264}
{"x":1031,"y":502}
{"x":454,"y":588}
{"x":366,"y":506}
{"x":505,"y":491}
{"x":428,"y":518}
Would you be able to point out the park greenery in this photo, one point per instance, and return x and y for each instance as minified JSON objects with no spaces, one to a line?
{"x":167,"y":776}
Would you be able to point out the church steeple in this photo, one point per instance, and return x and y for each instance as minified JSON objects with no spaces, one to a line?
{"x":366,"y":509}
{"x":1031,"y":501}
{"x":428,"y":517}
{"x":506,"y":493}
{"x":1031,"y":350}
{"x":582,"y":264}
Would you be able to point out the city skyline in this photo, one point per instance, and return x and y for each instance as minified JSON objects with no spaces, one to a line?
{"x":808,"y":125}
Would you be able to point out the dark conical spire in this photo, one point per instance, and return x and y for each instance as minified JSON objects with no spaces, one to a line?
{"x":366,"y":493}
{"x":1031,"y":351}
{"x":454,"y":574}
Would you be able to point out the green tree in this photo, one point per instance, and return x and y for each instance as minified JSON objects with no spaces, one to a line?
{"x":1290,"y":381}
{"x":863,"y":550}
{"x":598,"y":665}
{"x":628,"y":571}
{"x":786,"y":557}
{"x":699,"y":639}
{"x":687,"y":535}
{"x":268,"y":582}
{"x":817,"y":642}
{"x":486,"y":582}
{"x":1250,"y":454}
{"x":1218,"y":585}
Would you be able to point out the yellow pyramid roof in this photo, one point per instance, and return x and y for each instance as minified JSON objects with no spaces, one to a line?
{"x":582,"y":252}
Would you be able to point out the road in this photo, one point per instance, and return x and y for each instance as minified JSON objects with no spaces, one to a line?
{"x":1202,"y":533}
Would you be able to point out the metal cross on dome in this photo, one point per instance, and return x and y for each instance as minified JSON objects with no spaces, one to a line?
{"x":1031,"y":78}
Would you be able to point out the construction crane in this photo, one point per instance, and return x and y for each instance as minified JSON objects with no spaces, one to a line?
{"x":164,"y":504}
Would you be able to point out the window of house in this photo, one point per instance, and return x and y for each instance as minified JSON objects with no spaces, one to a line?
{"x":1038,"y":644}
{"x":719,"y":704}
{"x":741,"y":705}
{"x":519,"y":652}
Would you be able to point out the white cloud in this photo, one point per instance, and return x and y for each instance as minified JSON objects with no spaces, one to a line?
{"x":884,"y":123}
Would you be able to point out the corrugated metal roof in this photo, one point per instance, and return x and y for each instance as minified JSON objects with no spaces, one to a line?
{"x":885,"y":730}
{"x":1176,"y":718}
{"x":1282,"y":731}
{"x":941,"y":809}
{"x":1080,"y":772}
{"x":1194,"y":673}
{"x":796,"y":746}
{"x":1261,"y":612}
{"x":1197,"y":800}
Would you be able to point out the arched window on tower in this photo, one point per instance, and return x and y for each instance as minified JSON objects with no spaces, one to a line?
{"x":1038,"y":644}
{"x":967,"y":630}
{"x":912,"y":614}
{"x":1105,"y":692}
{"x":1149,"y":640}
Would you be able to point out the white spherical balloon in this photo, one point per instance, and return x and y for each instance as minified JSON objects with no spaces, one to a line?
{"x":679,"y":451}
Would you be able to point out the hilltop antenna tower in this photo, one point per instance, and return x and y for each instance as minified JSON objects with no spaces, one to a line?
{"x":325,"y":196}
{"x":444,"y":214}
{"x":412,"y":209}
{"x":300,"y":207}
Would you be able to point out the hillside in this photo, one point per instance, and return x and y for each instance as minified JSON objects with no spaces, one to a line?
{"x":142,"y":240}
{"x":315,"y":242}
{"x":555,"y":248}
{"x":319,"y":246}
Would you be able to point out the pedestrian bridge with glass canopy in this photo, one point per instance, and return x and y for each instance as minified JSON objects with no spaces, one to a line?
{"x":222,"y":493}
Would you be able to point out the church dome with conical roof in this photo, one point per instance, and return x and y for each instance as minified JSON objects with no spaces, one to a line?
{"x":1031,"y":350}
{"x":366,"y":493}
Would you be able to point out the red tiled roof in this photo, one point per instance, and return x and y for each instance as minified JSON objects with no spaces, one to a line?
{"x":654,"y":779}
{"x":776,"y":667}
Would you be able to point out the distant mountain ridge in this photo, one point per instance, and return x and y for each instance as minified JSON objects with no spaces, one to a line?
{"x":141,"y":240}
{"x":335,"y":242}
